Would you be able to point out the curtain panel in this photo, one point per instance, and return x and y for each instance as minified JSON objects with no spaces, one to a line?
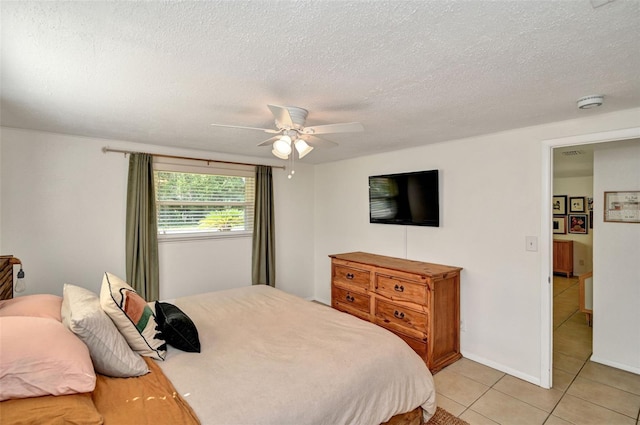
{"x":142,"y":228}
{"x":263,"y":264}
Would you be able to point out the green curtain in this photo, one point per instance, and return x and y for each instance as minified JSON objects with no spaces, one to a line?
{"x":263,"y":262}
{"x":142,"y":228}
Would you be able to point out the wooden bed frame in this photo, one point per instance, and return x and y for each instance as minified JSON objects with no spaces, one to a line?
{"x":410,"y":418}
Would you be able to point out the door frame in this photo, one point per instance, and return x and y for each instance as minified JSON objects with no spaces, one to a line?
{"x":546,"y":237}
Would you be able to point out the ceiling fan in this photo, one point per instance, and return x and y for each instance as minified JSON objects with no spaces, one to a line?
{"x":290,"y":130}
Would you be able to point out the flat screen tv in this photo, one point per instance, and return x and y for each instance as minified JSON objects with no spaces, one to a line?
{"x":405,"y":198}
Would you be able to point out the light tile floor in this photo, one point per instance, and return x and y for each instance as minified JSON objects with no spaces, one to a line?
{"x":583,"y":392}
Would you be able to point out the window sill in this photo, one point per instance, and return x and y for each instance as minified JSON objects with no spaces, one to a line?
{"x":186,"y":237}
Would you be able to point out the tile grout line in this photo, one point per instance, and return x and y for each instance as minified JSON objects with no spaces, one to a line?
{"x":529,"y":404}
{"x":573,"y":312}
{"x":568,"y":287}
{"x":584,"y":362}
{"x":610,"y":386}
{"x":574,"y":281}
{"x":480,"y":396}
{"x":479,"y":414}
{"x":599,"y":405}
{"x":491,"y":387}
{"x":564,"y":393}
{"x":567,"y":319}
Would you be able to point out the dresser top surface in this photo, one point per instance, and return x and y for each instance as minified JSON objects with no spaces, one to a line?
{"x":401,"y":264}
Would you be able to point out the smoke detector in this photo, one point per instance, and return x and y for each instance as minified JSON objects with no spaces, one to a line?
{"x":591,"y":101}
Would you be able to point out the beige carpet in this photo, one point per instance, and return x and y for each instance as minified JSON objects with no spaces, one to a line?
{"x":442,"y":417}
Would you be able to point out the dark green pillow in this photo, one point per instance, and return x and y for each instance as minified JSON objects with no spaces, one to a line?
{"x":177,"y":328}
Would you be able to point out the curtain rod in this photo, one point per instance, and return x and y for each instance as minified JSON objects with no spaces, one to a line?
{"x":107,"y":149}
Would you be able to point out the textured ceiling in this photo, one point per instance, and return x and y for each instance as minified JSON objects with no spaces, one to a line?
{"x":412,"y":72}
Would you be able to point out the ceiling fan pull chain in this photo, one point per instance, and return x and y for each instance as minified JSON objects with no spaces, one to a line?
{"x":292,"y":160}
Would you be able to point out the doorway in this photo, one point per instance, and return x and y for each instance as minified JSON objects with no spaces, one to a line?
{"x":573,"y":235}
{"x":546,"y":235}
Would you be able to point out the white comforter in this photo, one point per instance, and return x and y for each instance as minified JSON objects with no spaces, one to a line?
{"x":272,"y":358}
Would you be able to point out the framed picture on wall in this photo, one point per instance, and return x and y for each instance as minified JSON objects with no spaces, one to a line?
{"x":622,"y":207}
{"x":560,"y":225}
{"x":590,"y":204}
{"x":576,"y":204}
{"x":578,"y":223}
{"x":590,"y":219}
{"x":559,"y":204}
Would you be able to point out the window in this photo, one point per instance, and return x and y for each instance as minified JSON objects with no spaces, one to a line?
{"x":195,"y":201}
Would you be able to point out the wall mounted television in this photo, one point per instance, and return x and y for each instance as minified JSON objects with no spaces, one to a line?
{"x":406,"y":198}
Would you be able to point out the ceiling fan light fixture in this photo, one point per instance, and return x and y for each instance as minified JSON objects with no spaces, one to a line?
{"x":303,"y":148}
{"x":279,"y":155}
{"x":282,"y":146}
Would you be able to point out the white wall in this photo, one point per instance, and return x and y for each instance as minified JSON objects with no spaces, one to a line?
{"x":63,"y":215}
{"x":616,"y":269}
{"x":1,"y":251}
{"x":294,"y":210}
{"x":582,"y":244}
{"x":62,"y":205}
{"x":490,"y":200}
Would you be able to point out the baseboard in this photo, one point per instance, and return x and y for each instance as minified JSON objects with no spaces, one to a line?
{"x":617,"y":365}
{"x":319,"y":300}
{"x":502,"y":368}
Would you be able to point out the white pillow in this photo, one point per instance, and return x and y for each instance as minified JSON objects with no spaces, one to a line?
{"x":133,"y":317}
{"x":111,"y":355}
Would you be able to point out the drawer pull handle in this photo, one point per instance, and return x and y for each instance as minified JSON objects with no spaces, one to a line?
{"x":399,"y":288}
{"x":350,"y":298}
{"x":398,"y":314}
{"x":349,"y":275}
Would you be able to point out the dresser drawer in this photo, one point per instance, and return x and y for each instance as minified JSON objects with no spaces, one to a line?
{"x":352,"y":311}
{"x":349,"y":276}
{"x":349,"y":308}
{"x":401,"y":319}
{"x":351,"y":299}
{"x":399,"y":289}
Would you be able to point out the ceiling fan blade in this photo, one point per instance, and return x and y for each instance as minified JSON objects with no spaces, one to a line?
{"x":347,"y":127}
{"x":266,"y":130}
{"x":269,"y":141}
{"x":319,"y":141}
{"x":282,"y":115}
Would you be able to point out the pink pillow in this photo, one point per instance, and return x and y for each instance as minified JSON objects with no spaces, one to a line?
{"x":39,"y":305}
{"x":39,"y":356}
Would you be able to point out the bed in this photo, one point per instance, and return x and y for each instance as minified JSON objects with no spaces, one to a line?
{"x":268,"y":357}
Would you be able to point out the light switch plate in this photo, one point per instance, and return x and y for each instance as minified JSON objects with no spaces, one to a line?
{"x":532,"y":243}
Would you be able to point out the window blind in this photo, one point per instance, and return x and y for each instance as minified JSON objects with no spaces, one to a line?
{"x":199,"y":202}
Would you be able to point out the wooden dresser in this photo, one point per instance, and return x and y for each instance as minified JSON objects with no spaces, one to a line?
{"x":419,"y":302}
{"x":563,"y":257}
